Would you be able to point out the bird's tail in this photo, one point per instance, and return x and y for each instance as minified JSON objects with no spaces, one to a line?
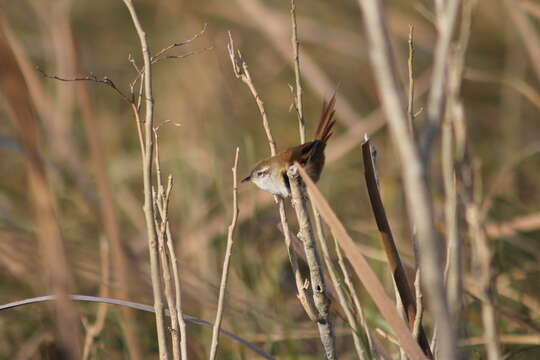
{"x":324,"y":130}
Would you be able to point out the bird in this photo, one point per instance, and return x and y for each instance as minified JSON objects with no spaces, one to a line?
{"x":271,"y":174}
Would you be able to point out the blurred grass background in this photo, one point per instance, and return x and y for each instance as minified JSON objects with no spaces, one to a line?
{"x":210,"y":113}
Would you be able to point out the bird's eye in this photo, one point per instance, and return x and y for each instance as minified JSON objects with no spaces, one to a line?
{"x":262,"y":172}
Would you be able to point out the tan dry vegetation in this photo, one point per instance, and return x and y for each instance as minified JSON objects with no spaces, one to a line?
{"x":70,"y":164}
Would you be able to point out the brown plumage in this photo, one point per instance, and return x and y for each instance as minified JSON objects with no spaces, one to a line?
{"x":271,"y":174}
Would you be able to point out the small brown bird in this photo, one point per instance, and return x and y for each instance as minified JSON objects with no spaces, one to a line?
{"x":271,"y":174}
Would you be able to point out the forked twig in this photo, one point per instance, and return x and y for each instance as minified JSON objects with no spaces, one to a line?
{"x":161,"y":52}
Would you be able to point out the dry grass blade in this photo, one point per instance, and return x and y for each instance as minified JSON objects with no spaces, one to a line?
{"x":364,"y":271}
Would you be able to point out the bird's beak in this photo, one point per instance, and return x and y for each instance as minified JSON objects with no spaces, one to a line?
{"x":247,"y":178}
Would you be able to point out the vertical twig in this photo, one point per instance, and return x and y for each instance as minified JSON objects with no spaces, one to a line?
{"x":481,"y":259}
{"x":298,"y":96}
{"x":410,"y":63}
{"x":454,"y":115}
{"x":436,"y":104}
{"x":161,"y":198}
{"x":362,"y":350}
{"x":352,"y":292}
{"x":416,"y":188}
{"x":226,"y":262}
{"x":178,"y":290}
{"x":318,"y":287}
{"x":147,"y":181}
{"x":419,"y":305}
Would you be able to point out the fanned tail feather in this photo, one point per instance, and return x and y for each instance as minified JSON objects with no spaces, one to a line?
{"x":324,"y":130}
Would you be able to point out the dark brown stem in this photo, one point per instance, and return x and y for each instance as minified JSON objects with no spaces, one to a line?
{"x":394,"y":260}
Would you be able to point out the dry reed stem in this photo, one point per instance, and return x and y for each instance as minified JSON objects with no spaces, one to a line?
{"x":226,"y":262}
{"x":58,"y":277}
{"x":512,"y":227}
{"x":436,"y":104}
{"x":318,"y":287}
{"x":418,"y":198}
{"x":147,"y":180}
{"x":359,"y":346}
{"x":410,"y":66}
{"x":363,"y":271}
{"x":298,"y":88}
{"x":241,"y":72}
{"x":516,"y":84}
{"x":453,"y":116}
{"x":526,"y":30}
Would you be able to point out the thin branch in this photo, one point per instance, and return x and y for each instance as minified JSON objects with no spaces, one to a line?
{"x":318,"y":287}
{"x":296,"y":53}
{"x":188,"y":54}
{"x":105,"y":81}
{"x":226,"y":262}
{"x":147,"y":180}
{"x":241,"y":72}
{"x":161,"y":52}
